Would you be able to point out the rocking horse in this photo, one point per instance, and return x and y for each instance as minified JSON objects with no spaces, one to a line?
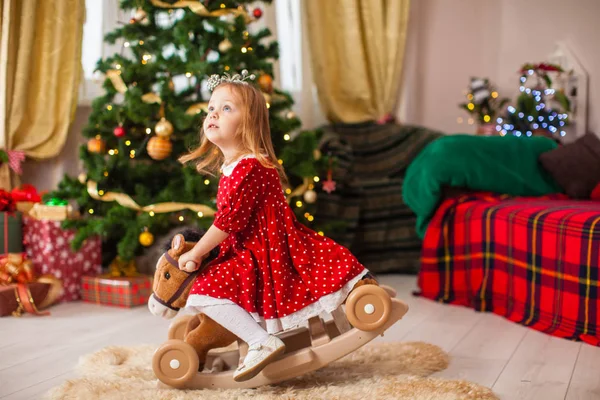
{"x":200,"y":353}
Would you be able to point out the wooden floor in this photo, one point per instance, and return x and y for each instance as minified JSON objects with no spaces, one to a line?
{"x":517,"y":363}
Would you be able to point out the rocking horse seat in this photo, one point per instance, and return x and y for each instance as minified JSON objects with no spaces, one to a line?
{"x":370,"y":309}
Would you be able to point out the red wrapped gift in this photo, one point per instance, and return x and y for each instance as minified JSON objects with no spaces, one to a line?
{"x":49,"y":248}
{"x":25,"y":196}
{"x":120,"y":292}
{"x":22,"y":291}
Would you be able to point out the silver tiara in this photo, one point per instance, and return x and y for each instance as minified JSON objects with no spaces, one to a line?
{"x":215,"y":80}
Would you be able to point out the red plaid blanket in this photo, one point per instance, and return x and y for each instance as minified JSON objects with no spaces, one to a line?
{"x":533,"y":261}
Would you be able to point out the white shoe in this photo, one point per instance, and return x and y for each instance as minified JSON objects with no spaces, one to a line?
{"x":258,"y":357}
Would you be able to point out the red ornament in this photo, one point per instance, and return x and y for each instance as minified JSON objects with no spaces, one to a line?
{"x":119,"y":131}
{"x":257,"y":13}
{"x":329,"y":184}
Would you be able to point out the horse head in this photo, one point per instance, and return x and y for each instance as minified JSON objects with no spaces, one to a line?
{"x":171,"y":285}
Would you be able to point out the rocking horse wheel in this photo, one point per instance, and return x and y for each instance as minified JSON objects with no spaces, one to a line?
{"x":178,"y":326}
{"x":368,"y":307}
{"x":175,"y":363}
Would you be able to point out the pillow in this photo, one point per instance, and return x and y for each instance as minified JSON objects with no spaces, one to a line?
{"x":575,"y":166}
{"x":596,"y":193}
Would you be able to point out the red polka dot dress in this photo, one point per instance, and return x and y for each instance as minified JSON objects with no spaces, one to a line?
{"x":271,"y":265}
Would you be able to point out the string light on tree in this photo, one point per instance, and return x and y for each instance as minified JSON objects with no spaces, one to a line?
{"x":482,"y":105}
{"x":540,"y":109}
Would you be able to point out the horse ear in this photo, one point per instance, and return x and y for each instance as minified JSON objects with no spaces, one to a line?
{"x":178,"y":244}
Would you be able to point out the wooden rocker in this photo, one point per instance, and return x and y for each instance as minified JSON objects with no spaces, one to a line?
{"x":370,"y":310}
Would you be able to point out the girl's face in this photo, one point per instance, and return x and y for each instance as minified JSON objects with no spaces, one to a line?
{"x":223,"y":119}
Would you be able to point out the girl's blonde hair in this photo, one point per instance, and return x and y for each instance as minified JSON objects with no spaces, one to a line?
{"x":254,"y":130}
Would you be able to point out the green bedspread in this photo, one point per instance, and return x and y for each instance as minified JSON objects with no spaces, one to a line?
{"x":507,"y":165}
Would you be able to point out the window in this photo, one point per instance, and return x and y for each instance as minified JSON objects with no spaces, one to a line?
{"x":101,"y":17}
{"x":289,"y":36}
{"x":91,"y":50}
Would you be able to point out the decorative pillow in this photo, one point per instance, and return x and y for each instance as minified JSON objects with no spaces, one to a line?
{"x":596,"y":193}
{"x":575,"y":166}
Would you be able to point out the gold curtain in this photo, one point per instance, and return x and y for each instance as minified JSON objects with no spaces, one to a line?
{"x":40,"y":71}
{"x":357,"y":51}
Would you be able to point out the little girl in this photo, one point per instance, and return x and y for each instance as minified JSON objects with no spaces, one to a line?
{"x":271,"y":268}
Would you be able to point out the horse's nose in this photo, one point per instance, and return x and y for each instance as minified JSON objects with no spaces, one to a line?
{"x":151,"y":306}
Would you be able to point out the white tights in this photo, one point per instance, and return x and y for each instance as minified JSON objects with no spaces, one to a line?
{"x":238,"y":321}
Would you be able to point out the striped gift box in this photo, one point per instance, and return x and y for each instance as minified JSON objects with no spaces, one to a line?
{"x":121,"y":292}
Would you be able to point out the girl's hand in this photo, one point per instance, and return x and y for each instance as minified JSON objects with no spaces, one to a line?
{"x":190,"y":261}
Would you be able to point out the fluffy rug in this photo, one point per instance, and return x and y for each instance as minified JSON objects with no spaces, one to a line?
{"x":376,"y":371}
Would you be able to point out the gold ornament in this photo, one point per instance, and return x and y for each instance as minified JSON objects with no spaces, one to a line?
{"x":163,"y":128}
{"x":290,"y":115}
{"x":82,"y":177}
{"x":96,"y":145}
{"x":119,"y":268}
{"x":141,"y":16}
{"x":150,"y":98}
{"x":265,"y":81}
{"x":317,"y":154}
{"x":310,"y":196}
{"x":159,"y":148}
{"x":146,"y":238}
{"x":224,"y":46}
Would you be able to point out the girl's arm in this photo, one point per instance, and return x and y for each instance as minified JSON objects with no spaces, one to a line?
{"x":212,"y":238}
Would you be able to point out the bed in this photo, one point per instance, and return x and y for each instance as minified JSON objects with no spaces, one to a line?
{"x":532,"y":260}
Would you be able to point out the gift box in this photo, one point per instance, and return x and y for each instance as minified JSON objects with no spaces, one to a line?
{"x":48,"y":246}
{"x":50,"y":212}
{"x":11,"y":239}
{"x":25,"y":197}
{"x":21,"y":291}
{"x":11,"y":232}
{"x":10,"y":301}
{"x":121,"y":292}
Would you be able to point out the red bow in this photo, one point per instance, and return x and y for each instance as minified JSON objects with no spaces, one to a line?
{"x":26,"y":192}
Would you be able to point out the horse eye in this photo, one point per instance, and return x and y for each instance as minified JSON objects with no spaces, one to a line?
{"x":167,"y":275}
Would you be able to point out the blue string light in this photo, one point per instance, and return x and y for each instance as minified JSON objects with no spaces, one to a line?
{"x":519,"y":123}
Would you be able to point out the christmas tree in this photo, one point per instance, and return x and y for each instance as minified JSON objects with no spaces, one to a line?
{"x":133,"y":187}
{"x":483,"y":104}
{"x":539,"y":108}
